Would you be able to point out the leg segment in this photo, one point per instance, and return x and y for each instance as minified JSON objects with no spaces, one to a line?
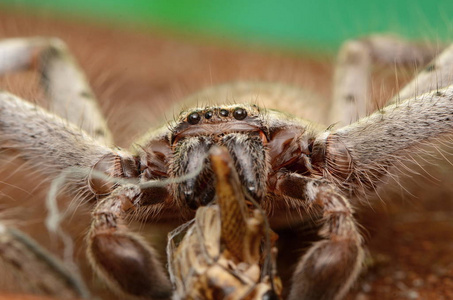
{"x":331,"y":265}
{"x":359,"y":155}
{"x":64,"y":83}
{"x":121,"y":258}
{"x":437,"y":75}
{"x":46,"y":141}
{"x":26,"y":265}
{"x":353,"y":71}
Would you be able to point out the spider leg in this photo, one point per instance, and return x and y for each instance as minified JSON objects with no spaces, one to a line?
{"x":37,"y":270}
{"x":52,"y":144}
{"x":359,"y":155}
{"x":63,"y":81}
{"x":436,"y":75}
{"x":353,"y":71}
{"x":44,"y":140}
{"x":120,"y":257}
{"x":331,"y":265}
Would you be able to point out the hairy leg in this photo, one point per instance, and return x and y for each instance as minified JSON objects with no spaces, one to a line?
{"x":331,"y":265}
{"x":44,"y":140}
{"x":120,"y":257}
{"x":359,"y":155}
{"x":63,"y":81}
{"x":436,"y":75}
{"x":353,"y":71}
{"x":36,"y":270}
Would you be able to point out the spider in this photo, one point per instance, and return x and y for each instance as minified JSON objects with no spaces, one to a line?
{"x":288,"y":165}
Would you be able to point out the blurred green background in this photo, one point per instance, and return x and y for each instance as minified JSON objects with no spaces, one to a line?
{"x":311,"y":25}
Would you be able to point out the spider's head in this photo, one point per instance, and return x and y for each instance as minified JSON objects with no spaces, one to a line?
{"x":261,"y":142}
{"x":239,"y":128}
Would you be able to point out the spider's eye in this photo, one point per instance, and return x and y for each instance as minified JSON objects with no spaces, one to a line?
{"x":224,"y":113}
{"x":239,"y":113}
{"x":193,"y":118}
{"x":208,"y":114}
{"x":270,"y":295}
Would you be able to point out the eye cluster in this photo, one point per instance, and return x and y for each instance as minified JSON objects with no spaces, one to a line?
{"x":239,"y":113}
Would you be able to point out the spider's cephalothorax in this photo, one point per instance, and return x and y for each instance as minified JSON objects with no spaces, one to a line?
{"x":261,"y":142}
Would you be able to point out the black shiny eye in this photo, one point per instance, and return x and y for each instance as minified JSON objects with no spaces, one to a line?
{"x":270,"y":295}
{"x":208,"y":114}
{"x":224,"y":113}
{"x":193,"y":118}
{"x":239,"y":113}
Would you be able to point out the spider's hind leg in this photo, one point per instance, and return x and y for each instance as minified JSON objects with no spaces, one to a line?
{"x":352,"y":91}
{"x":435,"y":76}
{"x":62,"y":79}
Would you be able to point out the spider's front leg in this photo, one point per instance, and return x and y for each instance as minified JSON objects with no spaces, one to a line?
{"x":64,"y":84}
{"x":121,"y":258}
{"x":75,"y":133}
{"x":331,"y":265}
{"x":54,"y":145}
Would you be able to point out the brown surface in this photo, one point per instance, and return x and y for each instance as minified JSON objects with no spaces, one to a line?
{"x":138,"y":76}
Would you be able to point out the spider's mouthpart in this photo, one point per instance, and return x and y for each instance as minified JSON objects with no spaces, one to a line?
{"x":249,"y":158}
{"x":247,"y":151}
{"x":189,"y":154}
